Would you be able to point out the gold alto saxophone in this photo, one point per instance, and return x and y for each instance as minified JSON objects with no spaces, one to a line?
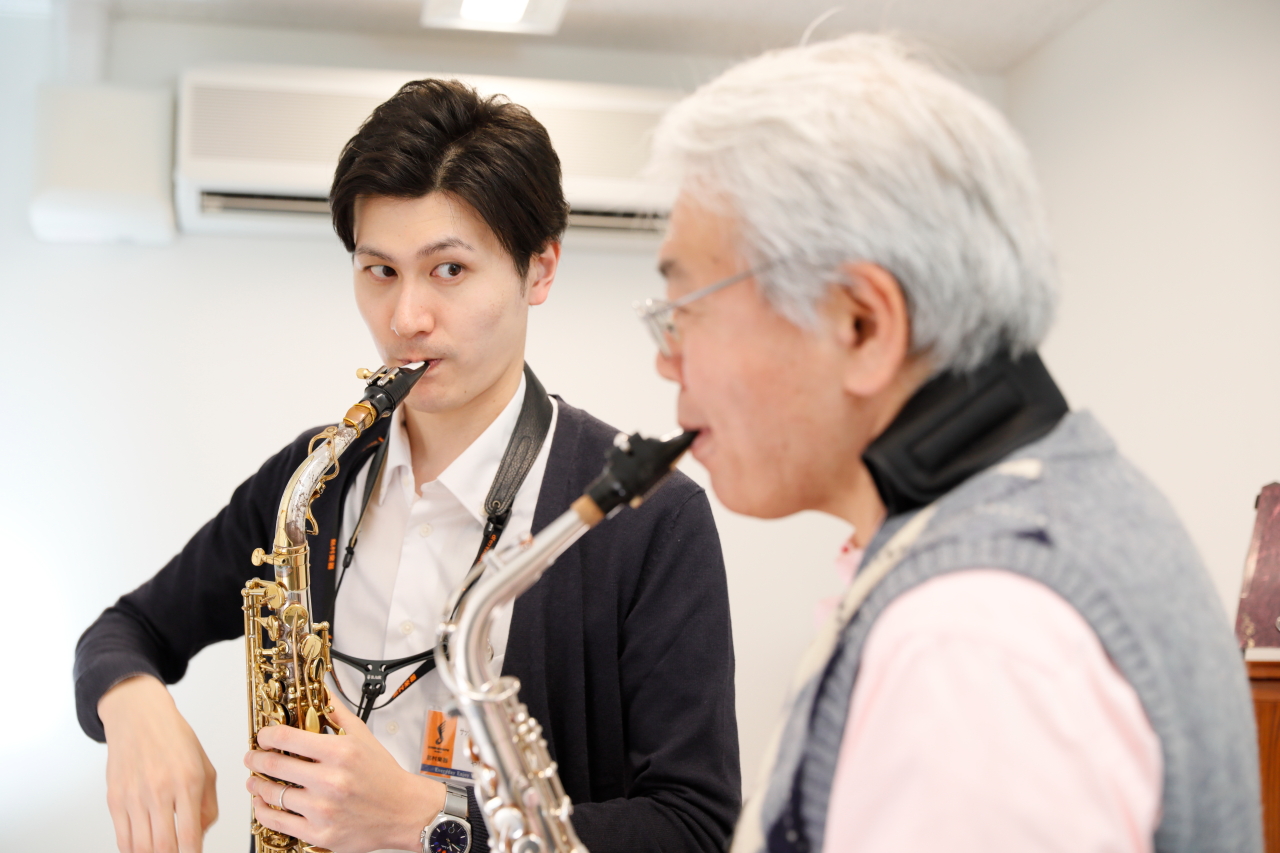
{"x":286,"y":677}
{"x":517,"y":786}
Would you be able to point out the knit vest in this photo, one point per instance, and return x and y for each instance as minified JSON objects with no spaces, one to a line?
{"x":1070,"y":513}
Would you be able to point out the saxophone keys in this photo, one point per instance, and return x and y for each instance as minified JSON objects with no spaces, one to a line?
{"x":272,"y":626}
{"x":274,"y":594}
{"x":312,"y":721}
{"x":294,"y":615}
{"x":311,"y":647}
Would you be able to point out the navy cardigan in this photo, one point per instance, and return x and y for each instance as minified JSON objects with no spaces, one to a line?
{"x":623,"y":648}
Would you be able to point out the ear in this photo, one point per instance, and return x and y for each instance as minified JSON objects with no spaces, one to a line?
{"x":872,"y":327}
{"x":542,"y":272}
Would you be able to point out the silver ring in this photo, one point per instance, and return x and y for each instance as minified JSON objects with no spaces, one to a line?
{"x":284,"y":789}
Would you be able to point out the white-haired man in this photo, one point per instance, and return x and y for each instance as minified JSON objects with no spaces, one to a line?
{"x":1030,"y":655}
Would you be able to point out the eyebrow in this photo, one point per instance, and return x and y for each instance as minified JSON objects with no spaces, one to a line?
{"x":425,"y":251}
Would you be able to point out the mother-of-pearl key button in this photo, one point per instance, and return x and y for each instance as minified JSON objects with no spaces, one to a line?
{"x":393,"y":727}
{"x":406,"y":627}
{"x":424,"y":530}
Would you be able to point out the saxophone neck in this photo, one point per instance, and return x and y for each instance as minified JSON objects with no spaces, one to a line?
{"x":385,"y":389}
{"x":634,"y":467}
{"x":503,"y":580}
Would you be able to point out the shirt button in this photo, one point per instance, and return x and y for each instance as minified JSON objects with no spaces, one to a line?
{"x":406,"y":627}
{"x":424,"y":531}
{"x":393,"y":727}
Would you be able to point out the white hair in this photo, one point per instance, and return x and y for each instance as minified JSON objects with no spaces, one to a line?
{"x":856,"y":150}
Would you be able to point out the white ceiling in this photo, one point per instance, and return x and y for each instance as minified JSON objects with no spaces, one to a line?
{"x":985,"y":35}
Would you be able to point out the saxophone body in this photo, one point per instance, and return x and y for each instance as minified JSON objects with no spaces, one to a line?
{"x":517,"y":784}
{"x":286,"y":654}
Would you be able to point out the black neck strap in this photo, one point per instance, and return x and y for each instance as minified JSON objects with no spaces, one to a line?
{"x":526,"y":442}
{"x":959,"y":424}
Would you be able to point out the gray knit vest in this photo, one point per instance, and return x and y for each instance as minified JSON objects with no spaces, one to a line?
{"x":1085,"y":523}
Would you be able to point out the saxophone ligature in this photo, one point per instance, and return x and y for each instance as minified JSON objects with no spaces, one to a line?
{"x":517,"y":784}
{"x":286,"y":675}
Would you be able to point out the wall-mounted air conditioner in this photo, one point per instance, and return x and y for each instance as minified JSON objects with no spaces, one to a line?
{"x":257,"y":145}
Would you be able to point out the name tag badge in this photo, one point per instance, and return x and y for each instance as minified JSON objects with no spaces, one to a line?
{"x":444,"y":748}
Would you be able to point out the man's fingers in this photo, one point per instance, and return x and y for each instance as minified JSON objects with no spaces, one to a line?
{"x":286,"y":767}
{"x":208,"y":808}
{"x":209,"y":795}
{"x":186,"y":818}
{"x":346,"y":720}
{"x":140,"y":829}
{"x":120,"y":821}
{"x":289,"y":824}
{"x":269,"y":792}
{"x":290,"y":739}
{"x":163,"y":837}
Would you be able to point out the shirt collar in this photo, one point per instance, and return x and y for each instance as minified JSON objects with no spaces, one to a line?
{"x":469,"y":476}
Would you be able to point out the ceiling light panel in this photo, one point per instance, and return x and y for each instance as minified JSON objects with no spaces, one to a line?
{"x":536,"y":17}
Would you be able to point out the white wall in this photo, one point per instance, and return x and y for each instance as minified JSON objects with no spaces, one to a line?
{"x":141,"y":385}
{"x":1155,"y":125}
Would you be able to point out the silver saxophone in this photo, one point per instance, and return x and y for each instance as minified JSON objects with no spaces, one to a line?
{"x":517,"y":786}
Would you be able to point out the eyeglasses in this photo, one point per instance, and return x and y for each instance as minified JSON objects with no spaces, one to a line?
{"x":658,"y":315}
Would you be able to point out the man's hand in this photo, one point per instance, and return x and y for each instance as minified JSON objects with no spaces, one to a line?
{"x":160,"y":784}
{"x":351,"y":796}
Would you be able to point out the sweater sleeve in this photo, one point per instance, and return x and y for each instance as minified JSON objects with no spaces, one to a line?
{"x":676,"y":670}
{"x":192,"y":602}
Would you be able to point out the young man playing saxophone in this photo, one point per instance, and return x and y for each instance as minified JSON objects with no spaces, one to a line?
{"x":452,"y":209}
{"x":1030,"y":656}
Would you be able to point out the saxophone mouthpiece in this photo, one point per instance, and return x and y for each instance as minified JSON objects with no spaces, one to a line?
{"x":633,"y":468}
{"x":387,"y":388}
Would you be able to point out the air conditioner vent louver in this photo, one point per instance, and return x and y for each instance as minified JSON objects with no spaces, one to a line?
{"x":246,"y":203}
{"x":257,"y":145}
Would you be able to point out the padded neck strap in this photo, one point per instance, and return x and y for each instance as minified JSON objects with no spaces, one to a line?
{"x":959,"y":424}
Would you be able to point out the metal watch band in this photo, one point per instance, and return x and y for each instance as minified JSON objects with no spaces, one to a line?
{"x":455,"y":809}
{"x":455,"y":801}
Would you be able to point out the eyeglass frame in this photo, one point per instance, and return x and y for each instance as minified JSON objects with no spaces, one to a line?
{"x":658,"y":315}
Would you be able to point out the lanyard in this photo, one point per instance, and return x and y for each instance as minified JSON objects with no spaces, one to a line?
{"x":526,"y":442}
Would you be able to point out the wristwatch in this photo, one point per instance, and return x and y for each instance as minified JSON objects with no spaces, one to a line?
{"x":450,"y":832}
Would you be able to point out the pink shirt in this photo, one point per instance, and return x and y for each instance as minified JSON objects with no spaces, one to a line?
{"x":987,"y":717}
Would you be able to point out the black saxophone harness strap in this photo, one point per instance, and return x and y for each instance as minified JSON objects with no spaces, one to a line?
{"x":522,"y":450}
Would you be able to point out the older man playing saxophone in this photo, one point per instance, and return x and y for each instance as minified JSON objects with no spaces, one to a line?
{"x":1030,"y":655}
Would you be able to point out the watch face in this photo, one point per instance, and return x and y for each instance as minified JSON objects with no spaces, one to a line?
{"x":449,"y":836}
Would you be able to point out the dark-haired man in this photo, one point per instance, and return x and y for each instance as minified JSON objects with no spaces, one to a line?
{"x":452,"y":209}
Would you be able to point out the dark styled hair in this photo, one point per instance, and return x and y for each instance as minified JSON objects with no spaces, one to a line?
{"x":442,"y":136}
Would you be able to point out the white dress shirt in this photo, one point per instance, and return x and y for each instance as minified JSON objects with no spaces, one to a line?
{"x":413,"y":552}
